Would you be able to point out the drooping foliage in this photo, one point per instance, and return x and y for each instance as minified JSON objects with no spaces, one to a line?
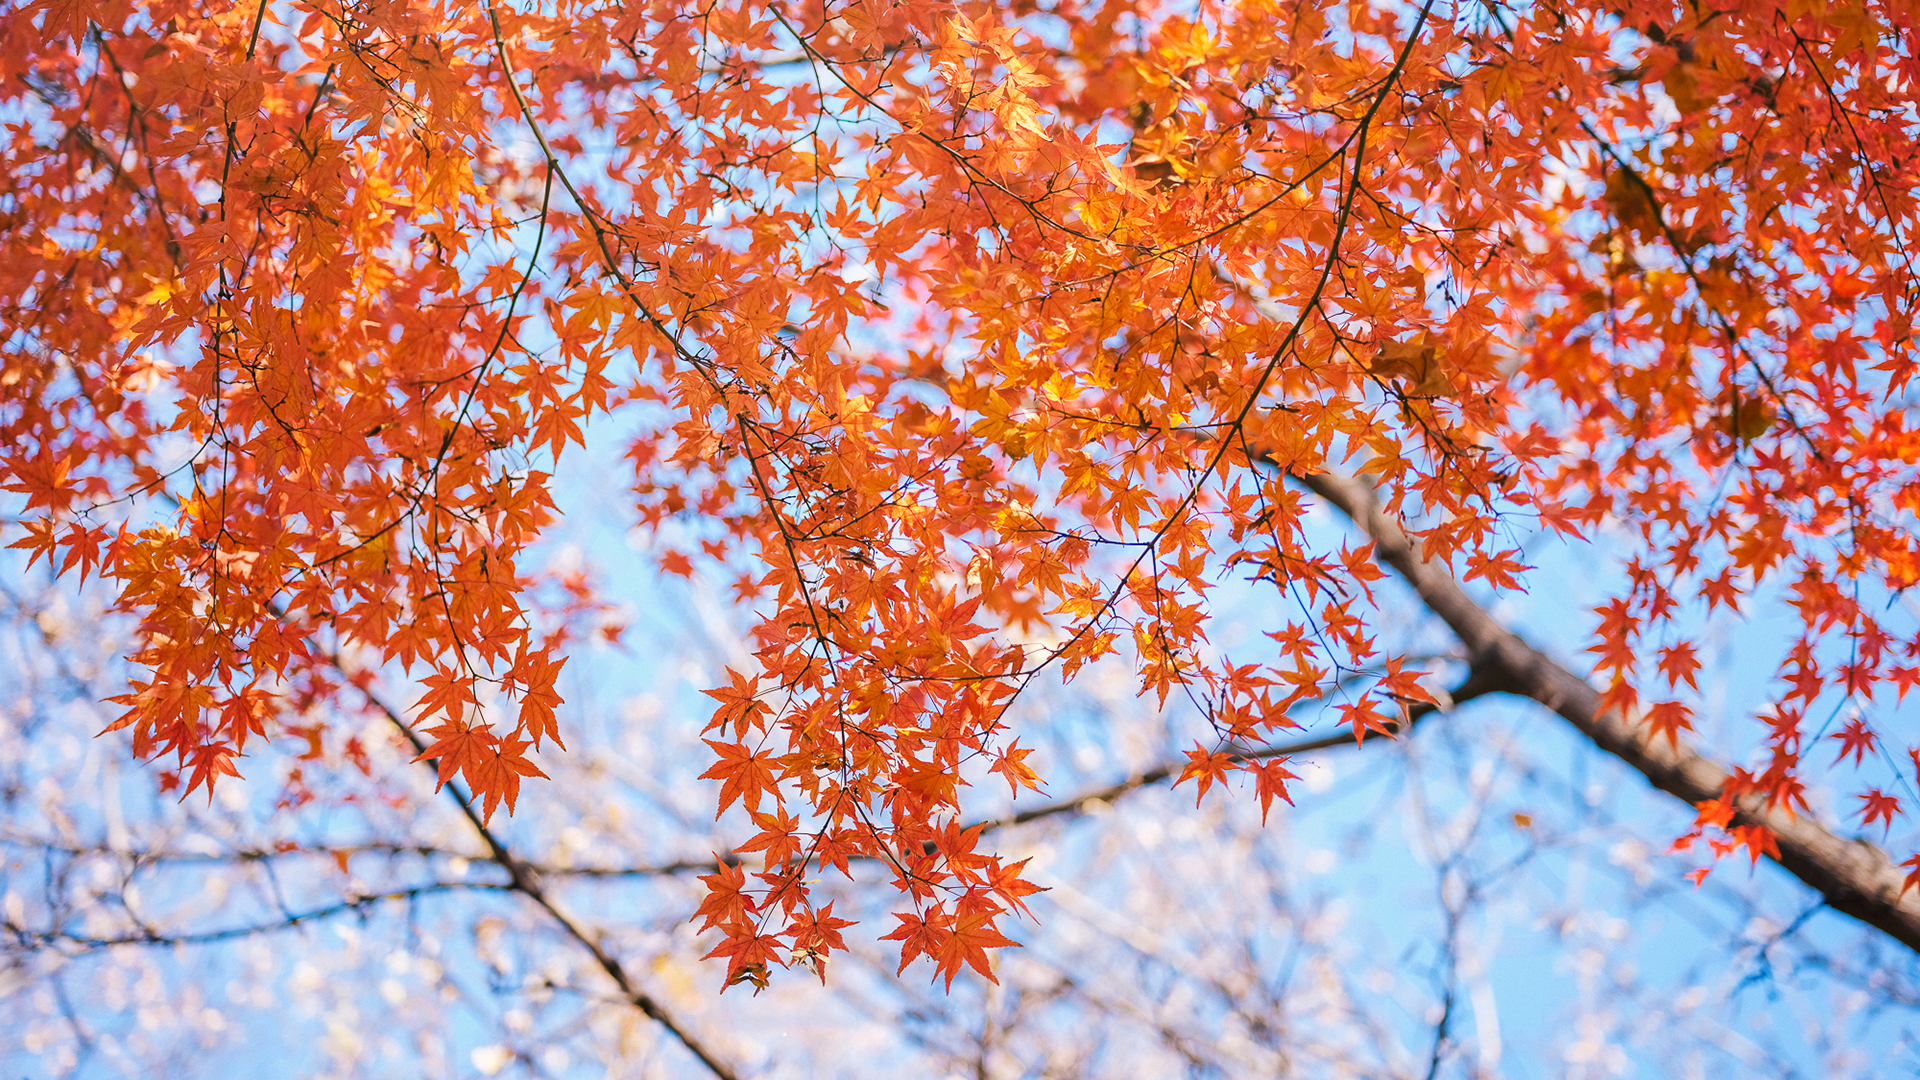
{"x":973,"y":342}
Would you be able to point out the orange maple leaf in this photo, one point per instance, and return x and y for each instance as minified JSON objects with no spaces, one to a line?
{"x":743,"y":774}
{"x":1207,"y":766}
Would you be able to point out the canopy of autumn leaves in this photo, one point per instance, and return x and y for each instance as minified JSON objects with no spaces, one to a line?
{"x":973,"y":342}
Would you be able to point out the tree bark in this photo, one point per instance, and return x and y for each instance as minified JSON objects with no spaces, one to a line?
{"x":1854,"y":876}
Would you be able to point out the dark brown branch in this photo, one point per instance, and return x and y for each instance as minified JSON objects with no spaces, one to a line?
{"x":1472,"y":688}
{"x":1854,"y":876}
{"x":522,"y":879}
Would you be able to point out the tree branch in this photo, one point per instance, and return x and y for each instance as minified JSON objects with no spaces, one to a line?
{"x":1854,"y":876}
{"x":523,"y":880}
{"x":1473,"y":687}
{"x":28,"y":940}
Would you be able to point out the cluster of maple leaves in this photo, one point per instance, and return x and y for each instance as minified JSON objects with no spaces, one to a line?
{"x":977,"y":340}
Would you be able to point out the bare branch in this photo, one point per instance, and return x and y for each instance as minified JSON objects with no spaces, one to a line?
{"x":1466,"y":691}
{"x":524,"y":880}
{"x":24,"y":939}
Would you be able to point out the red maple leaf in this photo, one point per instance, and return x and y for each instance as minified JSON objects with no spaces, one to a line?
{"x":1856,"y":739}
{"x":1880,"y":806}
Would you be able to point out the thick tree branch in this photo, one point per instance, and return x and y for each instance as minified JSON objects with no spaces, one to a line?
{"x":1854,"y":876}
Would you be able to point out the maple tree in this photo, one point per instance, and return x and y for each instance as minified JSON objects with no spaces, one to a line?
{"x":975,"y":343}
